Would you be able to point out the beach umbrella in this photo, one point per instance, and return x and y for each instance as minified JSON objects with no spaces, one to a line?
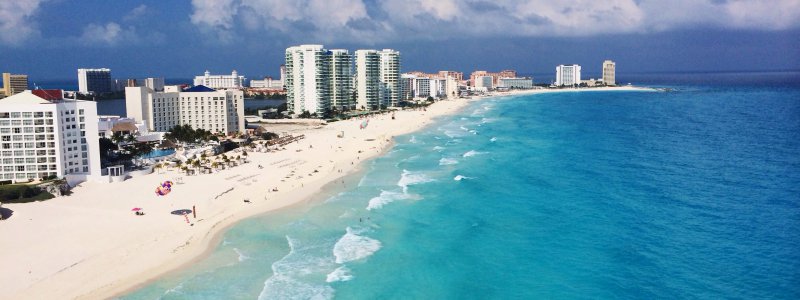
{"x":181,"y":212}
{"x":136,"y":209}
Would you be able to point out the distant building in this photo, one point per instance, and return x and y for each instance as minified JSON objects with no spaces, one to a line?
{"x":516,"y":83}
{"x":368,"y":79}
{"x":484,"y":81}
{"x":495,"y":76}
{"x":390,"y":77}
{"x":233,"y":81}
{"x":14,"y":84}
{"x":96,"y":81}
{"x":341,"y":76}
{"x":568,"y":75}
{"x":307,"y":79}
{"x":220,"y":112}
{"x":156,"y":84}
{"x":42,"y":134}
{"x":609,"y":73}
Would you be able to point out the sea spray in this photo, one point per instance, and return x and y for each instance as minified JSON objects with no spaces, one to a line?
{"x":352,"y":247}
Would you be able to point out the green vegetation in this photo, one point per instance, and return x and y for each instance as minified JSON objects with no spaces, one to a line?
{"x":22,"y":193}
{"x":186,"y":134}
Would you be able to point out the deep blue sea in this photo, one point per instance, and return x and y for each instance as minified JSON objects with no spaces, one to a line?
{"x":689,"y":193}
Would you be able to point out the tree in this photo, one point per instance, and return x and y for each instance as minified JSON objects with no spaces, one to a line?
{"x":430,"y":99}
{"x":117,"y":137}
{"x":106,"y":146}
{"x":305,"y":115}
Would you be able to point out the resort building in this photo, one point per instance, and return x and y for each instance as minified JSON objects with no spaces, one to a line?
{"x":14,"y":84}
{"x":484,"y":81}
{"x":495,"y":76}
{"x":156,"y":84}
{"x":307,"y":79}
{"x":568,"y":75}
{"x":516,"y":83}
{"x":341,"y":79}
{"x":217,"y":111}
{"x":390,"y":77}
{"x":609,"y":73}
{"x":233,"y":81}
{"x":368,"y":79}
{"x":96,"y":81}
{"x":43,"y":135}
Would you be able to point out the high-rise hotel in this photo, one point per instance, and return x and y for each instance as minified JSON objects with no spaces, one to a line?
{"x":568,"y":75}
{"x":217,"y":111}
{"x":308,"y":79}
{"x":320,"y":80}
{"x":609,"y":73}
{"x":42,"y":135}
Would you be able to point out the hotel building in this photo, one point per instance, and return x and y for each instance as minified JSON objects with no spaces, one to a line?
{"x":341,"y":79}
{"x":609,"y":73}
{"x":568,"y":75}
{"x":516,"y":83}
{"x":42,"y":134}
{"x":217,"y":111}
{"x":233,"y":81}
{"x":307,"y":79}
{"x":14,"y":84}
{"x":95,"y":81}
{"x":390,"y":77}
{"x":368,"y":79}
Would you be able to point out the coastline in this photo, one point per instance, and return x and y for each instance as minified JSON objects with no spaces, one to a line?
{"x":90,"y":245}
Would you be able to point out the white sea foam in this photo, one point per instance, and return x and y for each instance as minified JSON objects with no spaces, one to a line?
{"x":354,"y":247}
{"x":473,"y":131}
{"x":447,"y":161}
{"x":413,"y":139}
{"x":411,"y":178}
{"x":340,"y":274}
{"x":459,"y":178}
{"x":285,"y":282}
{"x":471,"y":153}
{"x":493,"y":139}
{"x":438,"y":148}
{"x":386,"y":197}
{"x":241,"y":255}
{"x":486,"y":120}
{"x":464,"y":128}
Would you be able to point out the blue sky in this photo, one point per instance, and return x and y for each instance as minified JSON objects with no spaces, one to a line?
{"x":50,"y":39}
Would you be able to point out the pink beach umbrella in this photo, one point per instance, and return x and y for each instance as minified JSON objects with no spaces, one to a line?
{"x":136,"y":209}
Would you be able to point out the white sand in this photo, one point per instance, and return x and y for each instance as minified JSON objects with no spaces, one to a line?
{"x":91,"y":245}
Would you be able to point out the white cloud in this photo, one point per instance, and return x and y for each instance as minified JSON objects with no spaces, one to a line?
{"x":16,"y":24}
{"x":109,"y":34}
{"x":392,"y":20}
{"x":135,"y":13}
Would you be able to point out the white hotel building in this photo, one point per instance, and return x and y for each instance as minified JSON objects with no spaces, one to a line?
{"x":307,"y":79}
{"x":568,"y":75}
{"x":368,"y":79}
{"x":218,"y":111}
{"x":233,"y":81}
{"x":42,"y":134}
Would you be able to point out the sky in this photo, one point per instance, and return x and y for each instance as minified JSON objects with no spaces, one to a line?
{"x":50,"y":39}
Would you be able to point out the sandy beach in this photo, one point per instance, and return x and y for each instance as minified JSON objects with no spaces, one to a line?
{"x":90,"y":244}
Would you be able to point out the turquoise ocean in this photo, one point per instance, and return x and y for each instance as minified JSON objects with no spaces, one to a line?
{"x":690,"y":192}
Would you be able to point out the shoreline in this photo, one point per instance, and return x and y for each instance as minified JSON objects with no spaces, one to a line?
{"x":76,"y":240}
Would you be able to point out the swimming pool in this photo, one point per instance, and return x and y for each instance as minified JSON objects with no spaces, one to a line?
{"x":158,"y":153}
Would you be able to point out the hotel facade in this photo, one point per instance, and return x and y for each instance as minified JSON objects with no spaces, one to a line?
{"x":217,"y":111}
{"x":43,"y":135}
{"x":568,"y":75}
{"x":14,"y":84}
{"x":307,"y":79}
{"x":233,"y":81}
{"x":95,"y":81}
{"x":609,"y":73}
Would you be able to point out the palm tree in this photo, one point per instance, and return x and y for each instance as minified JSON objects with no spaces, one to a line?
{"x":214,"y":165}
